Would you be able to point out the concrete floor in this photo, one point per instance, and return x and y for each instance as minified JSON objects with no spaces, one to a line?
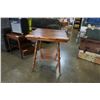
{"x":74,"y":70}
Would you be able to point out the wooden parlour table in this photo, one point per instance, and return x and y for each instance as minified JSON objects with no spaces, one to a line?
{"x":50,"y":35}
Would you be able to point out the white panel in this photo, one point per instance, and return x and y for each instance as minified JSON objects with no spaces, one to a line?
{"x":16,"y":27}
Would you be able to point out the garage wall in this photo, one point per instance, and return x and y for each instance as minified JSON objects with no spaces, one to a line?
{"x":4,"y":24}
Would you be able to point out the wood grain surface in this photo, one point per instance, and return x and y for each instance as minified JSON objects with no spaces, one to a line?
{"x":48,"y":35}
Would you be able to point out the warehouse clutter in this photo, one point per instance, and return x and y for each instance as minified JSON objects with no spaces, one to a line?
{"x":90,"y":40}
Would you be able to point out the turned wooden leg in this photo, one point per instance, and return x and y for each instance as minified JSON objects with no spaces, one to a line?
{"x":41,"y":55}
{"x":20,"y":49}
{"x":58,"y":69}
{"x":34,"y":57}
{"x":9,"y":47}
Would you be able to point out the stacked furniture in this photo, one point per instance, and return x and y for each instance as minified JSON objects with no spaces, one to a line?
{"x":89,"y":48}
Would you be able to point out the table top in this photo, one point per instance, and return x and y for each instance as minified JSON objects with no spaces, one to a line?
{"x":51,"y":35}
{"x":14,"y":36}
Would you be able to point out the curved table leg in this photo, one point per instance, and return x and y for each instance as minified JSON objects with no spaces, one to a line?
{"x":58,"y":69}
{"x":34,"y":57}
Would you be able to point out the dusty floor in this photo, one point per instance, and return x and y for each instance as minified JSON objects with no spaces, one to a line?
{"x":74,"y":70}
